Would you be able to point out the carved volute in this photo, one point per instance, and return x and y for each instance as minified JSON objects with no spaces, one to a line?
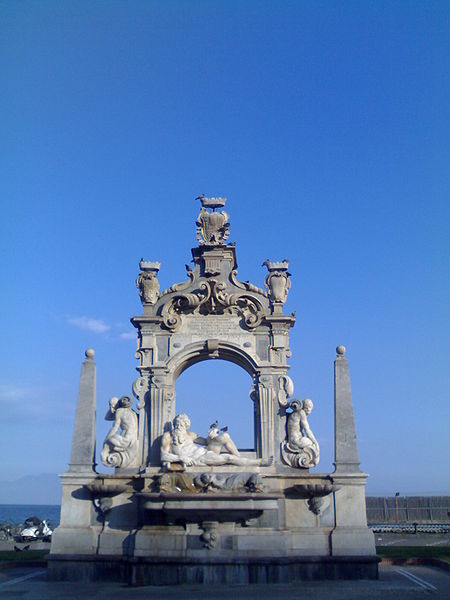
{"x":212,"y":314}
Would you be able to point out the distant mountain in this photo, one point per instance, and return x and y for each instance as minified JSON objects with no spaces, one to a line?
{"x":44,"y":488}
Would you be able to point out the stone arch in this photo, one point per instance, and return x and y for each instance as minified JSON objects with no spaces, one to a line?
{"x":213,"y":315}
{"x":198,"y":352}
{"x":211,"y":349}
{"x":219,"y":389}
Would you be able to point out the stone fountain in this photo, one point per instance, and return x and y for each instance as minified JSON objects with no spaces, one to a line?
{"x":186,"y":507}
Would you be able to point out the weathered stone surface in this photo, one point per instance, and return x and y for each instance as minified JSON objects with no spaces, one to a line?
{"x":182,"y":446}
{"x":147,"y":282}
{"x":120,"y":448}
{"x":214,"y":315}
{"x":346,"y":450}
{"x":82,"y":458}
{"x":300,"y":449}
{"x":182,"y":508}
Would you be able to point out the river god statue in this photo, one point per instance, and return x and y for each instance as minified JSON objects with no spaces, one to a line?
{"x":183,"y":446}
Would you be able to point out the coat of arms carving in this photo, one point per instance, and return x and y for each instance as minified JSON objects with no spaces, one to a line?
{"x":213,"y":227}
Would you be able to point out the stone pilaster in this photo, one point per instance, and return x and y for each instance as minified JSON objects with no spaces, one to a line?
{"x":265,"y":437}
{"x":160,"y":415}
{"x":346,"y":450}
{"x":140,"y":391}
{"x":82,"y":457}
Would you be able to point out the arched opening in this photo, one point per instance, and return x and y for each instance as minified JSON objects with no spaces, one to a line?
{"x":217,"y":390}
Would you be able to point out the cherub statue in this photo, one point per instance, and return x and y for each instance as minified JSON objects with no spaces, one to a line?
{"x":300,"y":448}
{"x":183,"y":446}
{"x":120,"y":447}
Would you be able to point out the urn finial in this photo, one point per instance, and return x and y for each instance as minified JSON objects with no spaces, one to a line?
{"x":277,"y":282}
{"x":147,"y":281}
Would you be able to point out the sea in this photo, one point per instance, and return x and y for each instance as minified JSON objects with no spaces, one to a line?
{"x":16,"y":514}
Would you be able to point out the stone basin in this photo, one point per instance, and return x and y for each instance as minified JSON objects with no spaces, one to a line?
{"x":100,"y":489}
{"x":221,"y":508}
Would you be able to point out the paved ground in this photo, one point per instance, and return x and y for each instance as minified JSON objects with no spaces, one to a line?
{"x":396,"y":583}
{"x":9,"y":545}
{"x":412,"y":539}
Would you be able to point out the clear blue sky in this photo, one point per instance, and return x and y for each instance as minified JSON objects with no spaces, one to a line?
{"x":325,"y":124}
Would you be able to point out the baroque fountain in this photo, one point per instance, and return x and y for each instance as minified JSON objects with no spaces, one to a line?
{"x":182,"y":507}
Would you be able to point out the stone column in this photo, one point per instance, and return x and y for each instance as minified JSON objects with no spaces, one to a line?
{"x":82,"y":457}
{"x":345,"y":446}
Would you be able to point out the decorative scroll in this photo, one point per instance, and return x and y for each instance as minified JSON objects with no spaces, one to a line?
{"x":140,"y":388}
{"x":179,"y":287}
{"x":286,"y":389}
{"x":246,"y":285}
{"x":211,"y":298}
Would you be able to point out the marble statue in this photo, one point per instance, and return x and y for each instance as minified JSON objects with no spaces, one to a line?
{"x":174,"y":482}
{"x":248,"y":482}
{"x":120,"y":445}
{"x":300,"y":448}
{"x":183,"y":446}
{"x":219,"y":440}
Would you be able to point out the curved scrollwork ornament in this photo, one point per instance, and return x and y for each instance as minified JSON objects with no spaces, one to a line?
{"x":179,"y":287}
{"x":246,"y":285}
{"x":212,"y":299}
{"x":140,"y":388}
{"x":285,"y":389}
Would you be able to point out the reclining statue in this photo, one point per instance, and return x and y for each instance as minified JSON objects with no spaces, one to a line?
{"x":183,"y":446}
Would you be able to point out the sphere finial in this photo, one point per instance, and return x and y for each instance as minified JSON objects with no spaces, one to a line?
{"x":340,"y":351}
{"x":90,"y":353}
